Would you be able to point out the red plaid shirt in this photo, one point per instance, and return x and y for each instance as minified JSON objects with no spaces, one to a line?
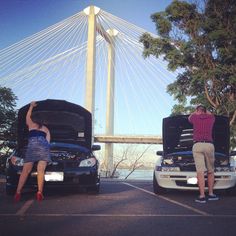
{"x":202,"y":126}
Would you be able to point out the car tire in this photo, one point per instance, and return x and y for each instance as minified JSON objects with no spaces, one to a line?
{"x":10,"y":190}
{"x":157,"y":189}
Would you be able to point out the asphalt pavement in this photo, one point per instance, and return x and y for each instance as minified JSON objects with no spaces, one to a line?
{"x":121,"y":208}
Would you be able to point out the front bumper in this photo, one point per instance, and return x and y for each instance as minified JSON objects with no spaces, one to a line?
{"x":179,"y":180}
{"x":83,"y":176}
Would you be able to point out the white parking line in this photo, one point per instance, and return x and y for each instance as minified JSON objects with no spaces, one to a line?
{"x":24,"y":208}
{"x":170,"y":200}
{"x":112,"y":215}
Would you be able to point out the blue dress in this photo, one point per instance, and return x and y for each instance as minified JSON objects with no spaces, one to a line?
{"x":38,"y":148}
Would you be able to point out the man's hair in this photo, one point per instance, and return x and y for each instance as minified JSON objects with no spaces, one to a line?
{"x":201,"y":108}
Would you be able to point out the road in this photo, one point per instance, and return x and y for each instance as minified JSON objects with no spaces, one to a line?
{"x":122,"y":208}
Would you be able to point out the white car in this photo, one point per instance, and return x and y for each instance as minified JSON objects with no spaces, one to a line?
{"x":175,"y":168}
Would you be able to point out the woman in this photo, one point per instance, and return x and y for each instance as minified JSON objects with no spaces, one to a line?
{"x":37,"y":151}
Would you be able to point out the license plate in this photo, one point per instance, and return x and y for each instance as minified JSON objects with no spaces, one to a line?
{"x":54,"y":176}
{"x":192,"y":180}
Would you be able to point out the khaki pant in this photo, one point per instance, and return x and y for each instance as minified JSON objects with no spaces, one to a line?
{"x":204,"y":157}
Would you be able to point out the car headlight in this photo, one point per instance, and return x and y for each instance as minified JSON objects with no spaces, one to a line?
{"x":88,"y":162}
{"x":17,"y":161}
{"x":170,"y":168}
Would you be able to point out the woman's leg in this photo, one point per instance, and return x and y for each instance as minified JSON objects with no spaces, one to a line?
{"x":27,"y":167}
{"x":41,"y":171}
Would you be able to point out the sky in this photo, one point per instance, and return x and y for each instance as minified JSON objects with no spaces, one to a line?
{"x":22,"y":18}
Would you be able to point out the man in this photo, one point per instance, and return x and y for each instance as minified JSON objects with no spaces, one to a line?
{"x":203,"y":150}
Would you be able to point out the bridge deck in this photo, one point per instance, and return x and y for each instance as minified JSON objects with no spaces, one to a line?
{"x":128,"y":139}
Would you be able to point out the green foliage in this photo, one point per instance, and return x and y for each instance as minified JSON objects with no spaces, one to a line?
{"x":200,"y":41}
{"x":7,"y":123}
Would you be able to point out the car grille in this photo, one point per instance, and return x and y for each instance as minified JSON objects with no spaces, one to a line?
{"x":182,"y":183}
{"x":67,"y":160}
{"x":63,"y":156}
{"x":71,"y":164}
{"x":187,"y":167}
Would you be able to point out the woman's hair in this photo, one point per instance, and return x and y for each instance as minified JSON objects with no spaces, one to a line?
{"x":40,"y":124}
{"x":38,"y":121}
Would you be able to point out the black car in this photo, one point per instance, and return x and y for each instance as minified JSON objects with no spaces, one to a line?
{"x":73,"y":161}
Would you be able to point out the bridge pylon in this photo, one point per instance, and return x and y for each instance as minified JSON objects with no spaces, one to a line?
{"x":109,"y":36}
{"x":110,"y":101}
{"x":91,"y":11}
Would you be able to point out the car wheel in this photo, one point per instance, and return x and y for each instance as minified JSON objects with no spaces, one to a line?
{"x":10,"y":190}
{"x":157,"y":189}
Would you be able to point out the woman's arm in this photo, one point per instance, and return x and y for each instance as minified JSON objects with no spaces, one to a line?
{"x":29,"y":121}
{"x":48,"y":136}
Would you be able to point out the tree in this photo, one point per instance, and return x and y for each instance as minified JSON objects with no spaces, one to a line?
{"x":136,"y":164}
{"x":198,"y":40}
{"x":7,"y":122}
{"x":131,"y":158}
{"x":118,"y":161}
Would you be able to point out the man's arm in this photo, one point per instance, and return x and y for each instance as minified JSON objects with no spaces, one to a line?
{"x":191,"y":115}
{"x":209,"y":113}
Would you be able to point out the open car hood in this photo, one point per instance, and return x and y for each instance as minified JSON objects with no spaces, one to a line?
{"x":67,"y":122}
{"x":177,"y":134}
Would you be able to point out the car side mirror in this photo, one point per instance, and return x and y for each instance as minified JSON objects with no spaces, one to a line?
{"x":232,"y":153}
{"x":159,"y":153}
{"x":96,"y":147}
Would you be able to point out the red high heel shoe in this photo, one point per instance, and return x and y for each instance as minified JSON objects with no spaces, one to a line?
{"x":39,"y":196}
{"x":17,"y":197}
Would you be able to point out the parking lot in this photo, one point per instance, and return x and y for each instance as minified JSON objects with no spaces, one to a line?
{"x":121,"y":208}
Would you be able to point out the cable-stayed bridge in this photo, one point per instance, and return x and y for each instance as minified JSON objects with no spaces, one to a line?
{"x":94,"y":59}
